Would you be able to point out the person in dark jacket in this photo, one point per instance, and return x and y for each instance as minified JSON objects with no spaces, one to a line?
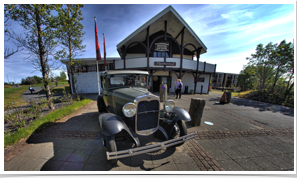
{"x":31,"y":89}
{"x":179,"y":87}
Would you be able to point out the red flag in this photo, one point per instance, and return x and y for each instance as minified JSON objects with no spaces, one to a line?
{"x":104,"y":50}
{"x":98,"y":55}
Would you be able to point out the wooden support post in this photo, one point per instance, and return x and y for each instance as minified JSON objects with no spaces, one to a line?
{"x":147,"y":48}
{"x":181,"y":53}
{"x":196,"y":111}
{"x":196,"y":78}
{"x":124,"y":55}
{"x":165,"y":23}
{"x":204,"y":67}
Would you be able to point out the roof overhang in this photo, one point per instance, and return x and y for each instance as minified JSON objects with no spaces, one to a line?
{"x":115,"y":72}
{"x":175,"y":23}
{"x":89,"y":61}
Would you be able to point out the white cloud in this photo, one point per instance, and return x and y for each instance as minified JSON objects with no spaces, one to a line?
{"x":237,"y":15}
{"x":263,"y":25}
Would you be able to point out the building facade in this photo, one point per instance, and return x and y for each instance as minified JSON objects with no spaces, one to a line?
{"x":166,"y":47}
{"x":224,"y":80}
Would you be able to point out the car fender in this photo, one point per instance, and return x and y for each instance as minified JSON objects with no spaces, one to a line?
{"x":176,"y":115}
{"x":112,"y":124}
{"x":180,"y":114}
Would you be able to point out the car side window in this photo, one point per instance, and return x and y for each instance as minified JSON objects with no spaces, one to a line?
{"x":103,"y":83}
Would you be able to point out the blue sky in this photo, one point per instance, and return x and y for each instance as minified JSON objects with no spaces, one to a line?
{"x":230,"y":32}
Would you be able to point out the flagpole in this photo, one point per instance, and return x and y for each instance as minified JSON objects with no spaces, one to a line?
{"x":97,"y":57}
{"x":104,"y":53}
{"x":98,"y":78}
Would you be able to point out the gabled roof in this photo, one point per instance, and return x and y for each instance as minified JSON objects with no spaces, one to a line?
{"x":175,"y":23}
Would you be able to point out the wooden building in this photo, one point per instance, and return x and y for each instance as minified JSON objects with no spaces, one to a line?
{"x":166,"y":47}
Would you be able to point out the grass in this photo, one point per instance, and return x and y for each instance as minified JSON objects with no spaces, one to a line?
{"x":38,"y":125}
{"x":56,"y":89}
{"x":50,"y":84}
{"x":242,"y":94}
{"x":15,"y":94}
{"x":233,"y":93}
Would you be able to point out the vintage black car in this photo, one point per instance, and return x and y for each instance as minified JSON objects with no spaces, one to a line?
{"x":129,"y":107}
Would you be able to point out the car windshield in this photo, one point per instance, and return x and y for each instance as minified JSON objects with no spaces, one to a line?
{"x":127,"y":80}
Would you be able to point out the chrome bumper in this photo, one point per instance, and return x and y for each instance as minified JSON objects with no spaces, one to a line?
{"x":148,"y":148}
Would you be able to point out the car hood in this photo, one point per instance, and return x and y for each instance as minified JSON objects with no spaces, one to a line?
{"x":125,"y":95}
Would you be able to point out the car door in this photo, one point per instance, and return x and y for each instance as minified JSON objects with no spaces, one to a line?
{"x":107,"y":96}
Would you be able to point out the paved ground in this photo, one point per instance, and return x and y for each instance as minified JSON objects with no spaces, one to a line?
{"x":36,"y":95}
{"x":246,"y":136}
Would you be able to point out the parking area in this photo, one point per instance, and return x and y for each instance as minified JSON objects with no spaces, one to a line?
{"x":245,"y":136}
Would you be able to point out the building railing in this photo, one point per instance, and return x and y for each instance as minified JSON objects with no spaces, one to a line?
{"x":175,"y":63}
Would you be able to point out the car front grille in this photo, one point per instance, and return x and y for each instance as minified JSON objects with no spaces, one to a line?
{"x":146,"y":118}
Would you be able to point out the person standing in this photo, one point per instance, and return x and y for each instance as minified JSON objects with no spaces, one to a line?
{"x":175,"y":91}
{"x":179,"y":87}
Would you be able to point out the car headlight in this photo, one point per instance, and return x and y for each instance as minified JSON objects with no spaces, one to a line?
{"x":169,"y":105}
{"x":129,"y":109}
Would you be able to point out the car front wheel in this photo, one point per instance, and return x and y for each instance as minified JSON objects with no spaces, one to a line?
{"x":179,"y":130}
{"x":111,"y":147}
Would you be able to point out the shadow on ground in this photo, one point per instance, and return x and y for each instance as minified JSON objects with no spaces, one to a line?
{"x":76,"y":145}
{"x":261,"y":106}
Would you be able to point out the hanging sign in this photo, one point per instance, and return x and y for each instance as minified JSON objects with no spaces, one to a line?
{"x":161,"y":46}
{"x":165,"y":63}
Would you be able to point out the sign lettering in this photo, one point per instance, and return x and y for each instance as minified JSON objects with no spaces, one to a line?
{"x":165,"y":63}
{"x":161,"y":46}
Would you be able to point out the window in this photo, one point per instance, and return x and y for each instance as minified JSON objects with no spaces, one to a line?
{"x":110,"y":66}
{"x":101,"y":67}
{"x":135,"y":80}
{"x":200,"y":79}
{"x":85,"y":69}
{"x":220,"y":80}
{"x":92,"y":68}
{"x":221,"y":75}
{"x":161,"y":54}
{"x":77,"y":69}
{"x":235,"y":76}
{"x":234,"y":81}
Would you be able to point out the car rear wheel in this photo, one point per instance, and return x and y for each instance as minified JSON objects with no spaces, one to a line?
{"x":100,"y":105}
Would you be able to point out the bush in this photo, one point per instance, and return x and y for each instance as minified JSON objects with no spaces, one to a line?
{"x":17,"y":119}
{"x":34,"y":126}
{"x":31,"y":80}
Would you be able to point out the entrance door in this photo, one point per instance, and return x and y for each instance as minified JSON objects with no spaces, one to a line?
{"x":156,"y":83}
{"x":158,"y":80}
{"x":166,"y":80}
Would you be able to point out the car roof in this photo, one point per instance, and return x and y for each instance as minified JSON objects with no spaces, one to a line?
{"x":114,"y":72}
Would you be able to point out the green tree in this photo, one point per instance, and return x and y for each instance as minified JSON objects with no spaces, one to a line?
{"x":273,"y":68}
{"x":39,"y":26}
{"x":70,"y":35}
{"x":290,"y":73}
{"x":246,"y":78}
{"x":261,"y":59}
{"x":282,"y":58}
{"x":62,"y":76}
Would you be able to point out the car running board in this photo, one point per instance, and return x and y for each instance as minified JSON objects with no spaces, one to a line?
{"x":149,"y":148}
